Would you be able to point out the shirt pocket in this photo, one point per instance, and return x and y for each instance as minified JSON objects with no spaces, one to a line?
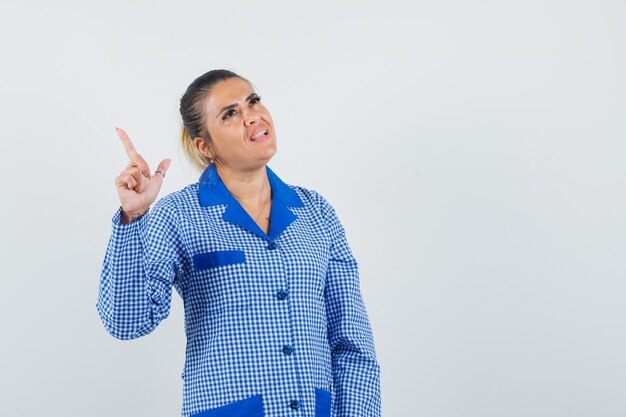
{"x":217,"y":258}
{"x":222,"y":280}
{"x":248,"y":407}
{"x":323,"y":399}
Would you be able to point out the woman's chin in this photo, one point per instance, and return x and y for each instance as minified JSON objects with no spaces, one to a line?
{"x":269,"y":152}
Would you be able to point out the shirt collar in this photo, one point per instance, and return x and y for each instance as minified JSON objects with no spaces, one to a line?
{"x":212,"y":190}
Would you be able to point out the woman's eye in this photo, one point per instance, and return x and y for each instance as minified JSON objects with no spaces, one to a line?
{"x":228,"y":114}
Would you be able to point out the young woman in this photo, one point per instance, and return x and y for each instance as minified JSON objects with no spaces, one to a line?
{"x":274,"y":317}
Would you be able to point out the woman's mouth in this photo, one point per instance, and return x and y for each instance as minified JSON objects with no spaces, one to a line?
{"x":260,"y":136}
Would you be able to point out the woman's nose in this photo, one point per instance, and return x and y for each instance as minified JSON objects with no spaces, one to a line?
{"x":250,"y":117}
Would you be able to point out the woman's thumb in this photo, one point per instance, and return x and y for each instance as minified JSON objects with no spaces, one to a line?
{"x":163,"y":167}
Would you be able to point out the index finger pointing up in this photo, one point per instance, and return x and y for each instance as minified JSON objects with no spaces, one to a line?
{"x":128,"y":144}
{"x":133,"y":155}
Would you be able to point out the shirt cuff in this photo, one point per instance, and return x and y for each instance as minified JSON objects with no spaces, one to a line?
{"x":138,"y":222}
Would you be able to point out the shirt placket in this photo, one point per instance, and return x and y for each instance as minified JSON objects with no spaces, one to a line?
{"x":284,"y":297}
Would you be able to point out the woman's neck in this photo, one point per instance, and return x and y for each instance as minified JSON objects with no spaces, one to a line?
{"x":246,"y":186}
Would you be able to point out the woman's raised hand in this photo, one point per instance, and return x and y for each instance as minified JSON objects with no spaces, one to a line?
{"x":136,"y":187}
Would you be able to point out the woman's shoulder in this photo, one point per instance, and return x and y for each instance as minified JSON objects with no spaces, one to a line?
{"x":177,"y":200}
{"x":308,"y":196}
{"x":321,"y":207}
{"x":313,"y":198}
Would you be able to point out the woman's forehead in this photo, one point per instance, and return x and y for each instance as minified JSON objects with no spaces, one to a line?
{"x":225,"y":93}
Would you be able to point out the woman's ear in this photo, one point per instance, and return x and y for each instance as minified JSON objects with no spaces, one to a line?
{"x":202,"y":147}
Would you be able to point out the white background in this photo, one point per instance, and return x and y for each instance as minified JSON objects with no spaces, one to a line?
{"x":474,"y":151}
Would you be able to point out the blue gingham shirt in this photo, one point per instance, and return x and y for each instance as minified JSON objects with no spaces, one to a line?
{"x":275,"y":323}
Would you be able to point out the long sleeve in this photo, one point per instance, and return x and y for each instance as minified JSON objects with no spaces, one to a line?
{"x":141,"y":264}
{"x":356,"y":371}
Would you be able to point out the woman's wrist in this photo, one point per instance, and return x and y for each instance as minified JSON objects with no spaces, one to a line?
{"x":130,"y":216}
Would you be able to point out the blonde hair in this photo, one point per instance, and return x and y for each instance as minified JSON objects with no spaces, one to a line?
{"x":197,"y":159}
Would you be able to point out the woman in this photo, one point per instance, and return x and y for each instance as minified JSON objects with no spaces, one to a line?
{"x":274,"y":317}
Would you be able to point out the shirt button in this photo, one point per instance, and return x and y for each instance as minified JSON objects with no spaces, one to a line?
{"x":281,"y":295}
{"x":272,"y":246}
{"x":287,"y":350}
{"x":295,"y":404}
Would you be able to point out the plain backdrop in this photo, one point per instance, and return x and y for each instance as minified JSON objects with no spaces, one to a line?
{"x":474,"y":151}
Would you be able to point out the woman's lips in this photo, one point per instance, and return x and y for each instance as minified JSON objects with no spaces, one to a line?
{"x":261,"y":138}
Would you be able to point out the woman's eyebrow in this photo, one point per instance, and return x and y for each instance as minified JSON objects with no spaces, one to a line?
{"x":232,"y":106}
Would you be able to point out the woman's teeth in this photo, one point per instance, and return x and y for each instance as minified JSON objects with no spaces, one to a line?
{"x":258,"y":135}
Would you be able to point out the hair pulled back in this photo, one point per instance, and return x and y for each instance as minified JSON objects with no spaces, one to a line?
{"x":192,"y":111}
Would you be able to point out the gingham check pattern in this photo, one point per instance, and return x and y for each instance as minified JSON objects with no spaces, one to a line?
{"x":276,"y":331}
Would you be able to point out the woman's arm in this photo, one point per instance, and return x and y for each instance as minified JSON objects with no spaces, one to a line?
{"x":144,"y":252}
{"x":141,"y":264}
{"x":356,"y":372}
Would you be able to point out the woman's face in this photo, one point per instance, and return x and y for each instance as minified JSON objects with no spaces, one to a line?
{"x":241,"y":128}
